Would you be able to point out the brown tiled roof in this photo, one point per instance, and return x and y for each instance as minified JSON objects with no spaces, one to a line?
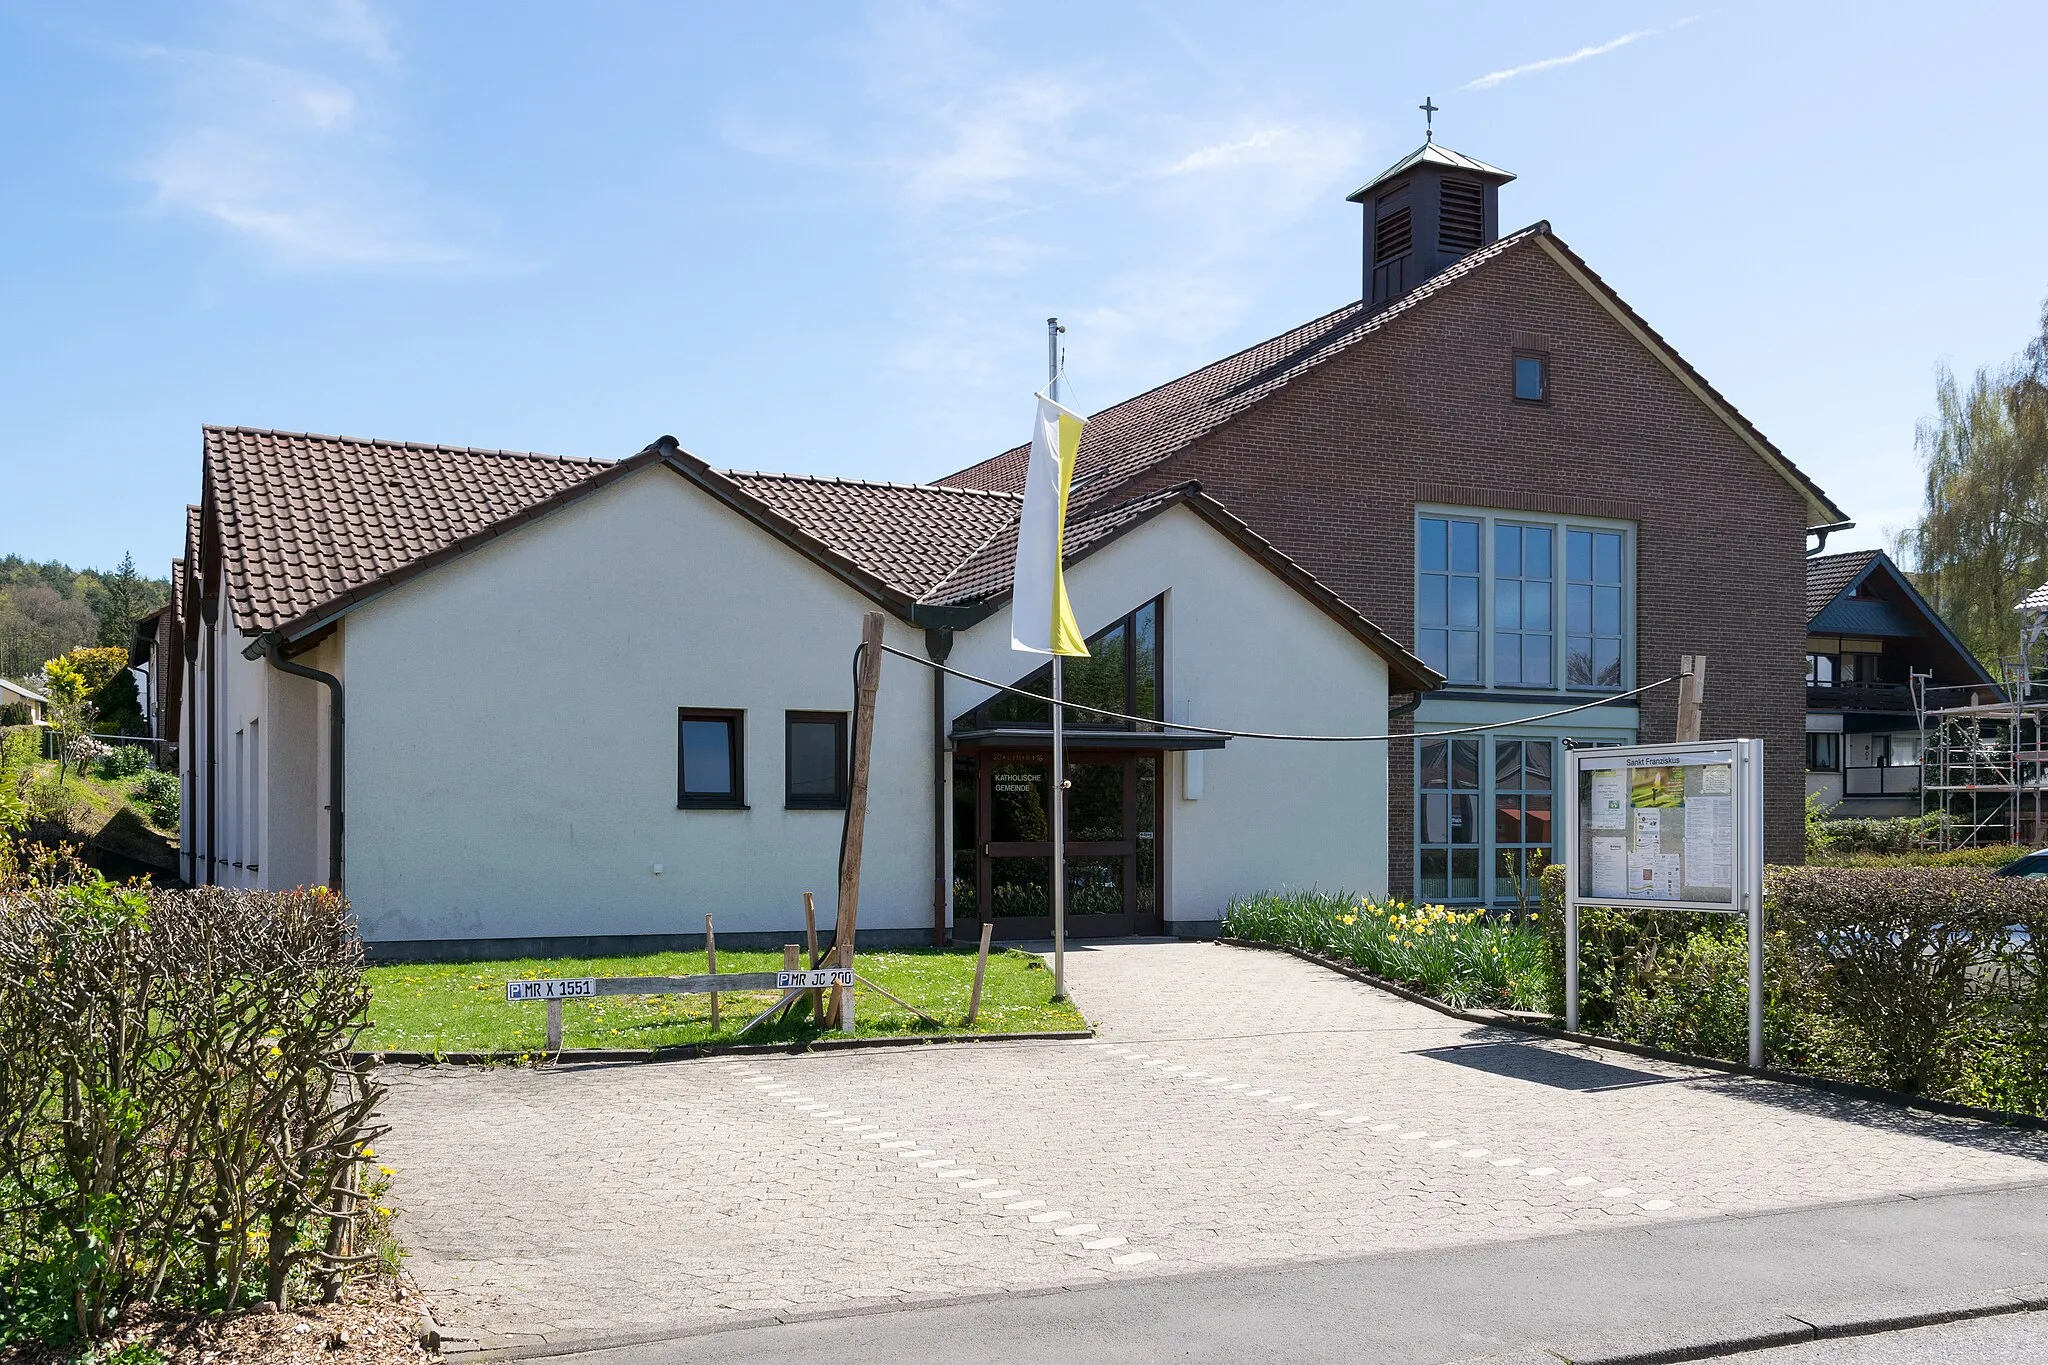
{"x":909,"y":535}
{"x":312,"y":525}
{"x":1827,"y":575}
{"x":985,"y":575}
{"x":1122,"y":440}
{"x":984,"y":580}
{"x":305,"y":520}
{"x":1141,"y":432}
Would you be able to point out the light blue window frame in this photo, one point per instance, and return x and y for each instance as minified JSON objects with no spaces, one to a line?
{"x":1476,"y":805}
{"x":1466,"y":626}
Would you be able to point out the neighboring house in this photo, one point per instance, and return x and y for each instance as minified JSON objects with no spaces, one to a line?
{"x":1493,"y":456}
{"x":34,"y":705}
{"x":444,"y":602}
{"x":155,"y":657}
{"x":1868,"y":631}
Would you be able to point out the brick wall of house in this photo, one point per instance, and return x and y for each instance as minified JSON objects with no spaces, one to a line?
{"x":1331,"y":468}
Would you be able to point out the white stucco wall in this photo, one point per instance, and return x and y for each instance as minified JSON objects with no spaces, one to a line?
{"x":1245,"y":651}
{"x":270,"y":789}
{"x":512,"y":733}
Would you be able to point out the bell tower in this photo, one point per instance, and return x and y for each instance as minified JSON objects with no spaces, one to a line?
{"x":1424,"y":213}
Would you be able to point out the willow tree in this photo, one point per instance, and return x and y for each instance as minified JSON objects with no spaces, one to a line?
{"x":1981,"y":543}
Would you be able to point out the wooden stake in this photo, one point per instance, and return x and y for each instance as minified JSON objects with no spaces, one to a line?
{"x":1692,"y":692}
{"x":899,"y":1000}
{"x":554,"y":1026}
{"x":870,"y":678}
{"x":811,"y":954}
{"x":792,"y":960}
{"x":711,"y":966}
{"x":980,"y":969}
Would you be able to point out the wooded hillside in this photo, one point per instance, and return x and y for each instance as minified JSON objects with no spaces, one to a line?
{"x":49,"y":608}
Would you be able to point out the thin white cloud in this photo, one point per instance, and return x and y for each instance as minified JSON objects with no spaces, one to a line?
{"x":1258,"y":147}
{"x":291,"y":157}
{"x":1493,"y":78}
{"x":1146,"y":220}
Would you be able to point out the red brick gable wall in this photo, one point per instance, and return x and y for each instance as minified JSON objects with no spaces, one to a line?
{"x":1331,"y":469}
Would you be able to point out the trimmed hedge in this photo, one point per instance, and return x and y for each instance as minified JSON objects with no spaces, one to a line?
{"x":1990,"y":857}
{"x":1924,"y":980}
{"x":1896,"y":834}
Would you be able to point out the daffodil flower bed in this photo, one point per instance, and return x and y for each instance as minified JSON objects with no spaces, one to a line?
{"x":1461,"y":957}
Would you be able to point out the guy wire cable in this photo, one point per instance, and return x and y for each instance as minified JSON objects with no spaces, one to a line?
{"x":1171,"y":726}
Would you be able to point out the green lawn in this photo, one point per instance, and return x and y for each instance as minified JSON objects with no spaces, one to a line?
{"x":460,"y":1007}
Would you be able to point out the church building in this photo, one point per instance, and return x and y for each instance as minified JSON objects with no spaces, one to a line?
{"x":1492,"y":455}
{"x":517,"y":704}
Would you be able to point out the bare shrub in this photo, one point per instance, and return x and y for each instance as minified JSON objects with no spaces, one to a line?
{"x":180,"y":1118}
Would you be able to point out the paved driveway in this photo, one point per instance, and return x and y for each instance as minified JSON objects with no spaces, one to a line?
{"x":599,"y":1201}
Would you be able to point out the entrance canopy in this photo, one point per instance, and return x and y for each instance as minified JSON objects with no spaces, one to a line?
{"x":1040,"y":737}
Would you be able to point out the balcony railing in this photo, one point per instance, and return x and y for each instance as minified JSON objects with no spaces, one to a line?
{"x":1858,"y":696}
{"x":1889,"y":780}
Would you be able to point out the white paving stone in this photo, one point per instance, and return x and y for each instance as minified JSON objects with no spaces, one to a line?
{"x":577,"y":1202}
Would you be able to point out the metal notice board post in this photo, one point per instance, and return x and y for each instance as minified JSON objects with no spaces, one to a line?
{"x":1667,"y":827}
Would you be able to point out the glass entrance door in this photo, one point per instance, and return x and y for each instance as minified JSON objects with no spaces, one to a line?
{"x":1111,"y":854}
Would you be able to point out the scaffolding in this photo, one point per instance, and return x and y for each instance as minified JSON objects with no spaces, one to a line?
{"x":1984,"y":758}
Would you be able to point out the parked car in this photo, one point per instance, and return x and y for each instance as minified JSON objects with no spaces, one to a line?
{"x":2033,"y":864}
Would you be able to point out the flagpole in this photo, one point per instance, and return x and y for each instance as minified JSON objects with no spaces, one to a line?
{"x":1059,"y":742}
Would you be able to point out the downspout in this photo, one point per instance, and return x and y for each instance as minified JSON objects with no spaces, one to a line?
{"x":188,"y":746}
{"x":938,"y":643}
{"x":212,"y":619}
{"x":337,"y":822}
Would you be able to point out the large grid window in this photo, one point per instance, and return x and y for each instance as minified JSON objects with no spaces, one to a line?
{"x":1447,"y":782}
{"x":1523,"y":648}
{"x":1593,"y":617}
{"x":1523,"y":602}
{"x":1447,"y":596}
{"x":1484,"y":831}
{"x":1521,"y":818}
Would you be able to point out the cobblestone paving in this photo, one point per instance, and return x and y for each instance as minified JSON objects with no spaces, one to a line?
{"x":599,"y":1201}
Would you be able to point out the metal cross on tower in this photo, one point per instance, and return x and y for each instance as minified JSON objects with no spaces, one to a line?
{"x":1428,"y":108}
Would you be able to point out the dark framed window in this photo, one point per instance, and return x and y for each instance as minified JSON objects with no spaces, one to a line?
{"x":1122,"y":673}
{"x":1532,"y":377}
{"x":711,"y":754}
{"x":1823,"y":751}
{"x":814,"y":760}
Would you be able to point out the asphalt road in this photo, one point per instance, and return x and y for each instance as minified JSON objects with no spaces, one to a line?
{"x":1725,"y":1284}
{"x":2021,"y":1339}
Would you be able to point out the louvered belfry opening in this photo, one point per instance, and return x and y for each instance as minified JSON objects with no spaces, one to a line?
{"x":1423,"y":215}
{"x":1392,"y":237}
{"x":1461,"y":217}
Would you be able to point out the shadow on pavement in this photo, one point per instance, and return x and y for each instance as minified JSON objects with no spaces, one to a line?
{"x":1559,"y":1070}
{"x":1520,"y":1057}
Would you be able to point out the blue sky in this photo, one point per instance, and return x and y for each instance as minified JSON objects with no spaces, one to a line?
{"x":824,"y":237}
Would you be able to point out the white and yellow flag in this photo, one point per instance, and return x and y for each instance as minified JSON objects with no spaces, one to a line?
{"x":1040,"y":619}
